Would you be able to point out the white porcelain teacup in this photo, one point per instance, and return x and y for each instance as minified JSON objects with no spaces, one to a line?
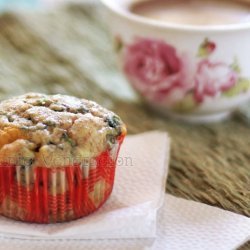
{"x":193,"y":72}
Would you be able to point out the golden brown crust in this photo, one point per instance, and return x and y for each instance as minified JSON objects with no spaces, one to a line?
{"x":54,"y":130}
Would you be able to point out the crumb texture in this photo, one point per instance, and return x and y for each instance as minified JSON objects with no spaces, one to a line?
{"x":51,"y":130}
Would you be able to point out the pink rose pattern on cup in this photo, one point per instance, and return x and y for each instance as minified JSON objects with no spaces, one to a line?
{"x":154,"y":68}
{"x":164,"y":75}
{"x":211,"y":79}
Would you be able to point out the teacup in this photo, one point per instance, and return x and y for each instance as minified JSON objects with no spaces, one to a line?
{"x":197,"y":73}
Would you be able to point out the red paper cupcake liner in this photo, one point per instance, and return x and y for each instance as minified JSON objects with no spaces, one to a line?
{"x":59,"y":194}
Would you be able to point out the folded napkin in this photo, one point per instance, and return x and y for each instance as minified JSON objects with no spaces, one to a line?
{"x":182,"y":225}
{"x":131,"y":211}
{"x":132,"y":208}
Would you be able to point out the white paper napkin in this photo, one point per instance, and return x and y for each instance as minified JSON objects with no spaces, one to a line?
{"x":131,"y":211}
{"x":189,"y":225}
{"x":182,"y":225}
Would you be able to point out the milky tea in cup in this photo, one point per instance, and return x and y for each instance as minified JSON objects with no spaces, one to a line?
{"x":194,"y":12}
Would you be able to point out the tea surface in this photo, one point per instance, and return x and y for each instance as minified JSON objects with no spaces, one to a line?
{"x":194,"y":12}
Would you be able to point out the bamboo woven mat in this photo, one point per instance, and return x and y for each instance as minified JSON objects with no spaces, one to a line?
{"x":69,"y":51}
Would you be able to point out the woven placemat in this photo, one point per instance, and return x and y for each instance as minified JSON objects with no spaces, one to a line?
{"x":69,"y":51}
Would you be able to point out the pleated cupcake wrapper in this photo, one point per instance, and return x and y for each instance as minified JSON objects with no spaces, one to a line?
{"x":46,"y":195}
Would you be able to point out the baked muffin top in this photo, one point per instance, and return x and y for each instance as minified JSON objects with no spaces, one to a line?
{"x":36,"y":128}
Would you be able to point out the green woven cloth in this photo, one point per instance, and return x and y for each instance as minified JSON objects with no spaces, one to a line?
{"x":69,"y":51}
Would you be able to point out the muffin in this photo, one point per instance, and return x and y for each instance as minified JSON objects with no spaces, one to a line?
{"x":57,"y":157}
